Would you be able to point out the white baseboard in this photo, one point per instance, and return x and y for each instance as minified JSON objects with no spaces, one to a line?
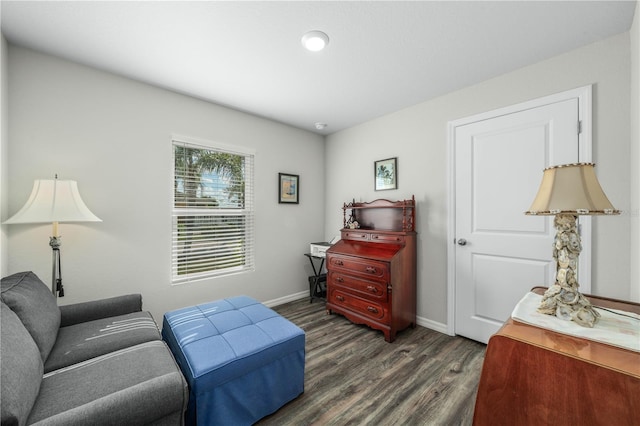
{"x":286,"y":299}
{"x":433,"y":325}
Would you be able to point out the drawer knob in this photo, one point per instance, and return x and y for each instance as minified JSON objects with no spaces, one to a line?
{"x":339,"y":262}
{"x":371,"y":269}
{"x":372,"y":309}
{"x":340,"y":279}
{"x":372,"y":289}
{"x":340,"y":298}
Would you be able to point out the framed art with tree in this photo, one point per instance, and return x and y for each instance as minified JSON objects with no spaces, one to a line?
{"x":386,"y":174}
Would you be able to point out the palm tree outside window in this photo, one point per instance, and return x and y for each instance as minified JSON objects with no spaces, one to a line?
{"x":212,"y":212}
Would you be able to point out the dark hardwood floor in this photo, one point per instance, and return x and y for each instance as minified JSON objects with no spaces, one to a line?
{"x":354,"y":377}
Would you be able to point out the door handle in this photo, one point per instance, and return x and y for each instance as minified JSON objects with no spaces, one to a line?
{"x":462,"y":242}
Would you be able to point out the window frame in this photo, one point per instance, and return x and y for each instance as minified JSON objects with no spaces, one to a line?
{"x":248,"y":212}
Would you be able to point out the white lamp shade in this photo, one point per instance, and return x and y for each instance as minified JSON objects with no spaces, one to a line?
{"x":572,"y":189}
{"x":54,"y":201}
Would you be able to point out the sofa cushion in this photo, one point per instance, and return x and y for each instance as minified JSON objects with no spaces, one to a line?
{"x":36,"y":307}
{"x":80,"y":342}
{"x":97,"y":309}
{"x":20,"y":367}
{"x":136,"y":385}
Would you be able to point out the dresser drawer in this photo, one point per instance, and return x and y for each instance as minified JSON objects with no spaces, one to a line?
{"x":355,"y":235}
{"x":366,"y":288}
{"x":364,"y":267}
{"x":353,"y":303}
{"x":386,"y":238}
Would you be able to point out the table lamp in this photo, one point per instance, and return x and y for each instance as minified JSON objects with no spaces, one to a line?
{"x":54,"y":201}
{"x":567,"y":191}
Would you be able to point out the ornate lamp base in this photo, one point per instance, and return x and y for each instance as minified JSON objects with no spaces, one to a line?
{"x":563,"y":298}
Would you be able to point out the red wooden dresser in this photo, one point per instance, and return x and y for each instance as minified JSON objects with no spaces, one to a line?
{"x":371,"y":271}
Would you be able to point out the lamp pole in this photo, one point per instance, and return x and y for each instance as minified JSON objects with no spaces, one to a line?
{"x":56,"y":274}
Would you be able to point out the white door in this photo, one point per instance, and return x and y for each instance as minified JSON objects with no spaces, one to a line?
{"x":500,"y":253}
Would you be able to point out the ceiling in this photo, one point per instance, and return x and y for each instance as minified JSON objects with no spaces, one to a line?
{"x":381,"y":57}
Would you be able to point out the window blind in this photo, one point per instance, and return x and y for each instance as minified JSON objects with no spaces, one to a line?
{"x":213,"y":214}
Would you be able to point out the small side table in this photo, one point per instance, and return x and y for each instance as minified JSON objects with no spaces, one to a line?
{"x":315,"y":287}
{"x":536,"y":376}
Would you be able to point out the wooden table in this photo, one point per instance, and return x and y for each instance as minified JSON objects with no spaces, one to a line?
{"x":535,"y":376}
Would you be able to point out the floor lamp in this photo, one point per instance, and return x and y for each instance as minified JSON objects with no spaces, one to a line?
{"x":54,"y":201}
{"x":567,"y":191}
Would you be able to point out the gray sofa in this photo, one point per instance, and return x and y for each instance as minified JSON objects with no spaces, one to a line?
{"x":93,"y":363}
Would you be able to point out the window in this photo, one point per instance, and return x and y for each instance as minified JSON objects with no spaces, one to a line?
{"x":212,"y":212}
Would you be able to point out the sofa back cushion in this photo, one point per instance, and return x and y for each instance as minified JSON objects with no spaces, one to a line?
{"x":20,"y":369}
{"x":36,"y":307}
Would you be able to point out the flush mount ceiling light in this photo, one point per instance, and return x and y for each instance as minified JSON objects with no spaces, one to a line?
{"x":315,"y":41}
{"x":320,"y":126}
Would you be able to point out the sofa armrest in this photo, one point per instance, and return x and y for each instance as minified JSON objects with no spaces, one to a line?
{"x":97,"y":309}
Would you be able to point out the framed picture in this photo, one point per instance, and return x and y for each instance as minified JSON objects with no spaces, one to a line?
{"x":385,"y":174}
{"x":288,"y":188}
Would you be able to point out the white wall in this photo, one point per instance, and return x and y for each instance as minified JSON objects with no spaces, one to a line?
{"x":4,"y":142}
{"x":418,"y":137}
{"x":113,"y":136}
{"x":634,"y":158}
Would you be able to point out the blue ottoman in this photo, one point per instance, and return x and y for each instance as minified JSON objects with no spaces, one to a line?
{"x":241,"y":359}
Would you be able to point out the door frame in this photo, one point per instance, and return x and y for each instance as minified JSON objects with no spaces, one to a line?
{"x":584,"y":95}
